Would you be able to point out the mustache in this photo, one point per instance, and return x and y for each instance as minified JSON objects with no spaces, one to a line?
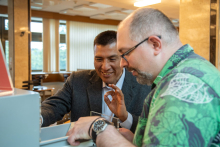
{"x":130,"y":69}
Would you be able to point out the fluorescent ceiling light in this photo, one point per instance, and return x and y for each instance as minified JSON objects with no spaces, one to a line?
{"x":69,"y":10}
{"x":146,"y":3}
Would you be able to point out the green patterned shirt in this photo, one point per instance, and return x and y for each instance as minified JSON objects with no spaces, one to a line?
{"x":183,"y":108}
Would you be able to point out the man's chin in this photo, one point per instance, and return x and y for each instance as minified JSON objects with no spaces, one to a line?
{"x":108,"y":81}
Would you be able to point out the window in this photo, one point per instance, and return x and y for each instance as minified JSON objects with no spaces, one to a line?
{"x":36,"y":56}
{"x":62,"y":54}
{"x":36,"y":46}
{"x":6,"y":24}
{"x":4,"y":37}
{"x":7,"y":52}
{"x":62,"y":46}
{"x":36,"y":27}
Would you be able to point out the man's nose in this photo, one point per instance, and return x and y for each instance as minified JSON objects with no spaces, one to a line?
{"x":106,"y":65}
{"x":123,"y":63}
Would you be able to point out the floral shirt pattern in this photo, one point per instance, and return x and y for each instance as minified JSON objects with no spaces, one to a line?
{"x":183,"y":108}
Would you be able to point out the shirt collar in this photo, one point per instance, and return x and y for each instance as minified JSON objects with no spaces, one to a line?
{"x":178,"y":56}
{"x":119,"y":83}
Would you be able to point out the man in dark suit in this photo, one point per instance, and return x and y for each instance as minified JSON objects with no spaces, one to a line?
{"x":84,"y":90}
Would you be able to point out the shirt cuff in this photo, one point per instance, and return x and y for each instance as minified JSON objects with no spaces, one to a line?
{"x":128,"y":122}
{"x":41,"y":119}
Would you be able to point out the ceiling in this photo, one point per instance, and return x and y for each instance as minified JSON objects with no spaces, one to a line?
{"x":102,"y":9}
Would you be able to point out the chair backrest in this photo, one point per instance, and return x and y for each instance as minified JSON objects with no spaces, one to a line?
{"x":27,"y":85}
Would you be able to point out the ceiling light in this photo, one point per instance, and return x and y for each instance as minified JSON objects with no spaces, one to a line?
{"x":146,"y":3}
{"x":69,"y":10}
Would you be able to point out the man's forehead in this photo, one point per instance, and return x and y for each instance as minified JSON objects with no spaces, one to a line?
{"x":107,"y":46}
{"x":123,"y":40}
{"x":123,"y":29}
{"x":107,"y":50}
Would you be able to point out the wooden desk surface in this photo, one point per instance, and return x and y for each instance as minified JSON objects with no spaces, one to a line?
{"x":42,"y":88}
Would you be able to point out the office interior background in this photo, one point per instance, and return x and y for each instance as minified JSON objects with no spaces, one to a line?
{"x":48,"y":39}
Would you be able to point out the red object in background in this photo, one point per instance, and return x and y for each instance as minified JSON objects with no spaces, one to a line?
{"x":5,"y":79}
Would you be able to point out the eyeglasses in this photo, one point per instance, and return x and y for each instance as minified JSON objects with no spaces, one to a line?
{"x":131,"y":49}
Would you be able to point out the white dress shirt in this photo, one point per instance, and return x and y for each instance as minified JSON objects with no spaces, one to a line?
{"x":105,"y":110}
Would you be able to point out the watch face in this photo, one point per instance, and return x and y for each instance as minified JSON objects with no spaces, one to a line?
{"x":98,"y":125}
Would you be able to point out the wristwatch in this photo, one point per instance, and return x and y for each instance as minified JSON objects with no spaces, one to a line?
{"x":99,"y":126}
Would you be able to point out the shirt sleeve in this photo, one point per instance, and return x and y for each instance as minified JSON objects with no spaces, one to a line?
{"x":42,"y":120}
{"x":128,"y":122}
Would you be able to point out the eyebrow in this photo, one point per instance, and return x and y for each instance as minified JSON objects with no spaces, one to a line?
{"x":121,"y":50}
{"x":107,"y":57}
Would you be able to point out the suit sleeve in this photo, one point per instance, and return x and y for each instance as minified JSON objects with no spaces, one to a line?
{"x":135,"y":122}
{"x":55,"y":107}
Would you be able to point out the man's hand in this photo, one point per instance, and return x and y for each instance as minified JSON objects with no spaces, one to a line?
{"x":80,"y":130}
{"x":127,"y":134}
{"x":117,"y":105}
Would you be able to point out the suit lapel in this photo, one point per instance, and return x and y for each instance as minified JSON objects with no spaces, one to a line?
{"x":94,"y":92}
{"x":127,"y":88}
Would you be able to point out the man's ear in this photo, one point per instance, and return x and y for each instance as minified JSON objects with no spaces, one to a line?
{"x":157,"y":44}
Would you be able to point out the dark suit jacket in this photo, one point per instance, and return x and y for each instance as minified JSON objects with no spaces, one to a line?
{"x":82,"y":93}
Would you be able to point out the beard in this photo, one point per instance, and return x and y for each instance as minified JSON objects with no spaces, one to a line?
{"x":143,"y":77}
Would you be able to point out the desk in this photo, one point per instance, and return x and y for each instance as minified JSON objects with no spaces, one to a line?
{"x":43,"y":89}
{"x":55,"y":136}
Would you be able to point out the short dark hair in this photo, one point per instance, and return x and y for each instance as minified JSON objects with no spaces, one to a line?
{"x":105,"y":38}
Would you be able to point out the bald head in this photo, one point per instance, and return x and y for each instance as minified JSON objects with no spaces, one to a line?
{"x":147,"y":21}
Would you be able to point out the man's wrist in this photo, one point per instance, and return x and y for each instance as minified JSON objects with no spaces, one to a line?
{"x":107,"y":131}
{"x":124,"y":118}
{"x":128,"y":122}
